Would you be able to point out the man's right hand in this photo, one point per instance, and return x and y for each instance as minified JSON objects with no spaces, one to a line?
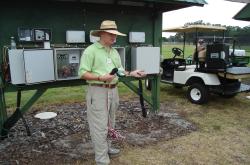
{"x":107,"y":77}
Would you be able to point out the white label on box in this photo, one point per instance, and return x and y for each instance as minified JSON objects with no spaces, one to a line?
{"x":214,"y":55}
{"x":73,"y":58}
{"x":223,"y":54}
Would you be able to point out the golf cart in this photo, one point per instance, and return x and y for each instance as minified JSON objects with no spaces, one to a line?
{"x":216,"y":73}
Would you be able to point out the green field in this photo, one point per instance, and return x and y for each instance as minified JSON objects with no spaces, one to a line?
{"x":189,"y":50}
{"x":223,"y":135}
{"x":167,"y":50}
{"x":247,"y":48}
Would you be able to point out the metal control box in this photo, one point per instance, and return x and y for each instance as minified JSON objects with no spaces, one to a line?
{"x":146,"y":58}
{"x":29,"y":66}
{"x":93,"y":39}
{"x":67,"y":61}
{"x":39,"y":65}
{"x":121,"y":51}
{"x":17,"y":70}
{"x":73,"y":36}
{"x":136,"y":37}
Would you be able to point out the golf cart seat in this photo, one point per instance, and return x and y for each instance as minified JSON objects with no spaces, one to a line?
{"x":217,"y":57}
{"x":215,"y":65}
{"x":177,"y":64}
{"x":170,"y":65}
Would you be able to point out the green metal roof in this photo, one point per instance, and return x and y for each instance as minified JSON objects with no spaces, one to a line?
{"x":196,"y":2}
{"x":201,"y":2}
{"x":159,"y":5}
{"x":243,"y":14}
{"x":169,"y":5}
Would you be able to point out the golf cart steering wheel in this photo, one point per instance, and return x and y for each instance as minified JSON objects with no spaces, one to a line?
{"x":177,"y":51}
{"x":179,"y":64}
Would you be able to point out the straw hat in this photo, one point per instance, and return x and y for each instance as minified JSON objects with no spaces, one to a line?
{"x":109,"y":27}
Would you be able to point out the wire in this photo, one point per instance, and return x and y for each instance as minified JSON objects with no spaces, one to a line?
{"x":5,"y":64}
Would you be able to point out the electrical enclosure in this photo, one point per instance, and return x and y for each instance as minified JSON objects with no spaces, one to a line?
{"x":39,"y":65}
{"x":67,"y":61}
{"x":92,"y":38}
{"x":121,"y":51}
{"x":146,"y":58}
{"x":29,"y":66}
{"x":73,"y":36}
{"x":136,"y":37}
{"x":25,"y":34}
{"x":42,"y":34}
{"x":16,"y":63}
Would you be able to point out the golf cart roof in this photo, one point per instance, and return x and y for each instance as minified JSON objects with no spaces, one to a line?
{"x":195,"y":28}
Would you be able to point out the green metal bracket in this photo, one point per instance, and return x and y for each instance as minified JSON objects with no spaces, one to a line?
{"x":11,"y":121}
{"x":134,"y":88}
{"x":153,"y":101}
{"x":8,"y":122}
{"x":33,"y":99}
{"x":155,"y":90}
{"x":3,"y":111}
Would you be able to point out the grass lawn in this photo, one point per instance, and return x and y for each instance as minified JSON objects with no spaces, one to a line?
{"x":167,"y":50}
{"x":223,"y":135}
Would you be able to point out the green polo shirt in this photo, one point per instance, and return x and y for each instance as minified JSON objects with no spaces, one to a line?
{"x":99,"y":61}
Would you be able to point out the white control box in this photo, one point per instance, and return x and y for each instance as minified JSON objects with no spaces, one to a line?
{"x":67,"y":61}
{"x":136,"y":37}
{"x":29,"y":66}
{"x":93,"y":39}
{"x":39,"y":65}
{"x":121,"y":51}
{"x":73,"y":36}
{"x":146,"y":58}
{"x":16,"y":62}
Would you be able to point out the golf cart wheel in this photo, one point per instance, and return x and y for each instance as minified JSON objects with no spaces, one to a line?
{"x":148,"y":84}
{"x":197,"y":93}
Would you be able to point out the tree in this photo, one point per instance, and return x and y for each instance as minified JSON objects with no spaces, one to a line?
{"x":242,"y":35}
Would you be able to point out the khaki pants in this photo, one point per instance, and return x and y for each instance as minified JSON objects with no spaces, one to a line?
{"x":101,"y":105}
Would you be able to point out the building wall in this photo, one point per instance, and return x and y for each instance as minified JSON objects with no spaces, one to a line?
{"x":62,"y":16}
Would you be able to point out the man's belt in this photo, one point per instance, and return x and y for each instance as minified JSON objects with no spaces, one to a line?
{"x":104,"y":85}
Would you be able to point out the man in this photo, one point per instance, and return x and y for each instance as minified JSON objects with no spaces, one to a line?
{"x":102,"y":98}
{"x":201,"y":50}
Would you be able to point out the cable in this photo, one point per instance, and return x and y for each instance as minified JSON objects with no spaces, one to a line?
{"x":144,"y":111}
